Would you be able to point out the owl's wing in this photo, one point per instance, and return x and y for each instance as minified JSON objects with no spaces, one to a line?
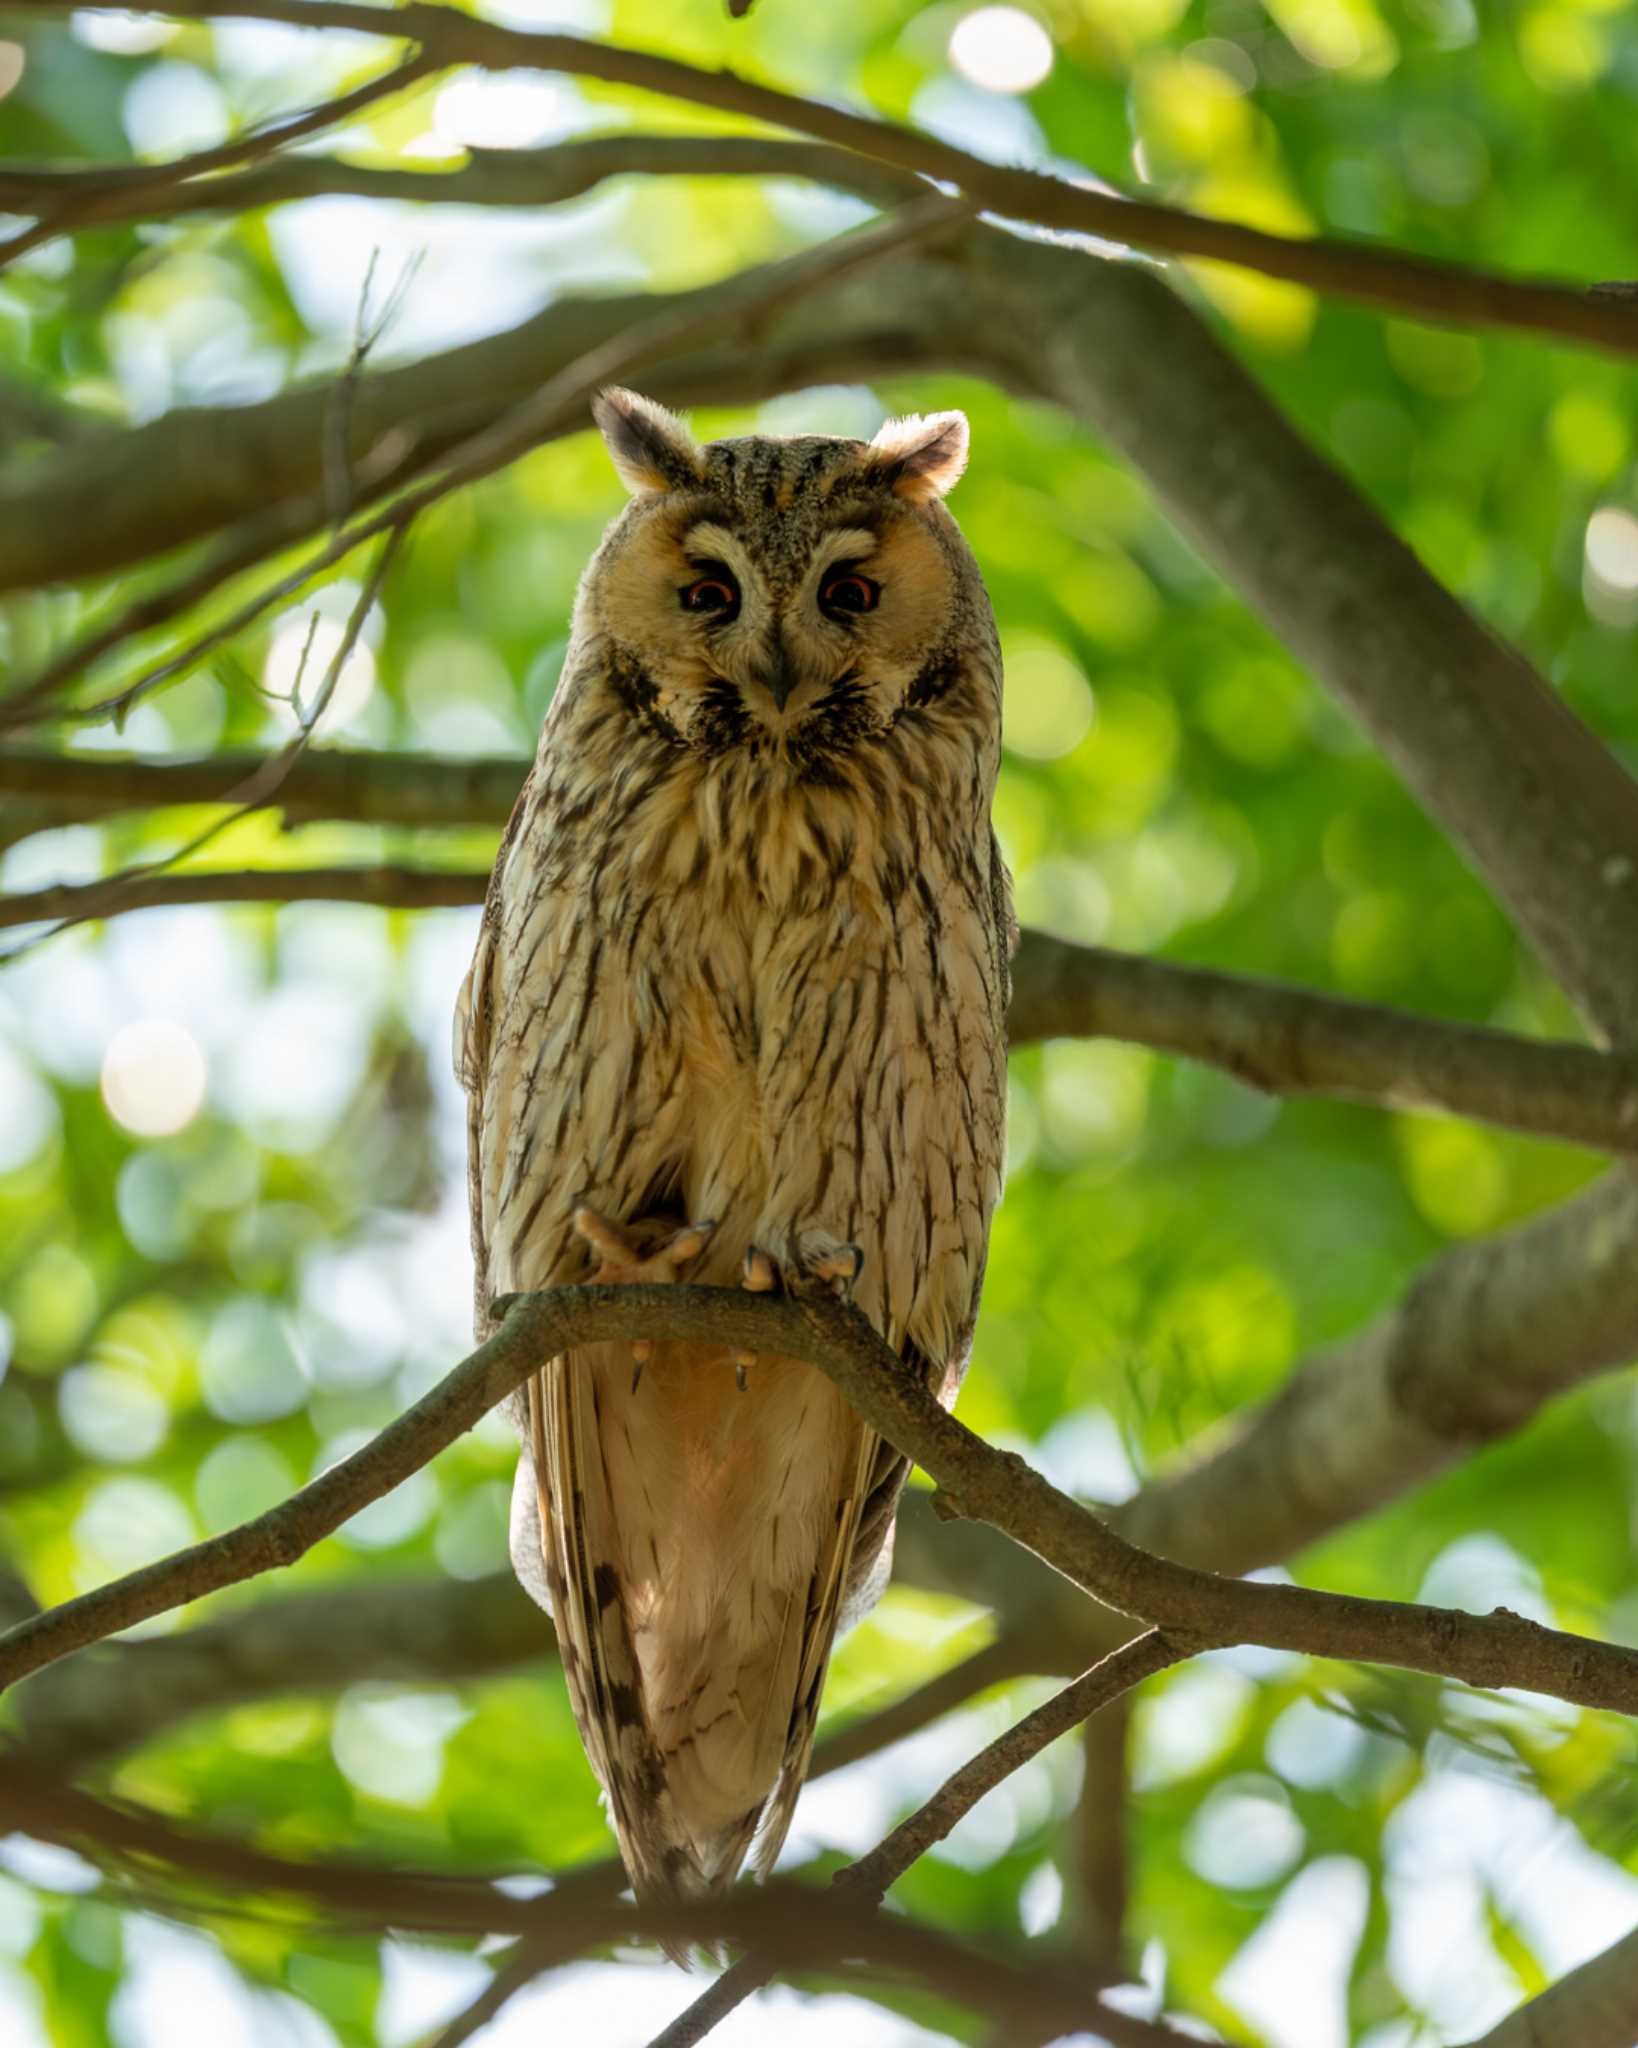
{"x":534,"y":965}
{"x":833,"y":1580}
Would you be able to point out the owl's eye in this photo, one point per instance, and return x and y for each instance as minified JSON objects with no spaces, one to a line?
{"x":715,"y":592}
{"x":849,"y":592}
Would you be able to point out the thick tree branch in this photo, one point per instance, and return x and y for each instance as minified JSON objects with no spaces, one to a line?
{"x":124,"y":1694}
{"x":1290,"y":1041}
{"x":1286,"y":1040}
{"x":995,"y":1486}
{"x":1595,"y":2006}
{"x":342,"y":783}
{"x":1353,"y":270}
{"x":1484,"y":1337}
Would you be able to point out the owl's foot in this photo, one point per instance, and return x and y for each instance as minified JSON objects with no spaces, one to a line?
{"x":654,"y":1252}
{"x":830,"y":1269}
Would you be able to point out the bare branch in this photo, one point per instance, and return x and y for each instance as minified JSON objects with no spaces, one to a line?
{"x":123,"y":1694}
{"x":327,"y":783}
{"x":799,"y":1926}
{"x":1447,"y":292}
{"x":393,"y":888}
{"x":263,"y":785}
{"x":90,"y":197}
{"x":1484,"y":1337}
{"x":874,"y":1875}
{"x":1006,"y":1657}
{"x":1286,"y":1040}
{"x":1595,"y":2006}
{"x":996,"y":1486}
{"x":490,"y":177}
{"x":1096,"y":1850}
{"x":516,"y":1971}
{"x":1143,"y":1657}
{"x":1293,"y":1042}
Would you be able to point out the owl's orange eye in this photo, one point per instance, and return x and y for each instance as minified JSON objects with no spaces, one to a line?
{"x":849,"y":593}
{"x":715,"y":592}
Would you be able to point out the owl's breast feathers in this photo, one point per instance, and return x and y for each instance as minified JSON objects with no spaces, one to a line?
{"x":717,"y":989}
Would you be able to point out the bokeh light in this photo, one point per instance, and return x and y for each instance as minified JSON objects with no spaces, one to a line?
{"x":1002,"y":49}
{"x":153,"y":1077}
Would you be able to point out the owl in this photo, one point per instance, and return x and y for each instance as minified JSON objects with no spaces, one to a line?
{"x":736,"y":1016}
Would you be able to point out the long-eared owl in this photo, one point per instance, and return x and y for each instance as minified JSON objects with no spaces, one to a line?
{"x":736,"y":1015}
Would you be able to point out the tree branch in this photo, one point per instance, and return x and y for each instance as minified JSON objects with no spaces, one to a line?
{"x":391,"y":888}
{"x":996,"y":1486}
{"x":92,"y":197}
{"x":1544,"y":811}
{"x":1595,"y":2006}
{"x":1291,"y":1041}
{"x":1353,"y":270}
{"x":490,"y":177}
{"x":1483,"y":1338}
{"x":1285,"y":1040}
{"x":873,"y":1876}
{"x":345,"y":783}
{"x":121,"y":1695}
{"x":799,"y":1926}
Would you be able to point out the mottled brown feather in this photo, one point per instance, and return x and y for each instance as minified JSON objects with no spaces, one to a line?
{"x":742,"y":961}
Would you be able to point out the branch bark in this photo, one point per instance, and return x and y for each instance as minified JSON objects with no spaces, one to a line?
{"x":89,"y":197}
{"x":874,"y":1875}
{"x":1352,"y":270}
{"x":995,"y":1486}
{"x":1595,"y":2006}
{"x":120,"y":1696}
{"x":490,"y":177}
{"x":798,"y":1926}
{"x":1285,"y":1040}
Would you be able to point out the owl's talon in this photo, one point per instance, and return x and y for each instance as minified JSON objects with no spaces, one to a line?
{"x":761,"y":1275}
{"x":840,"y":1268}
{"x":627,"y":1258}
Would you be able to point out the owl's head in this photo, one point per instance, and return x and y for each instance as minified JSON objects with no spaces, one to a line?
{"x":790,"y":597}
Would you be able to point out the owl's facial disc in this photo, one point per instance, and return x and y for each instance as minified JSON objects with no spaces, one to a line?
{"x":797,"y":639}
{"x":789,"y":599}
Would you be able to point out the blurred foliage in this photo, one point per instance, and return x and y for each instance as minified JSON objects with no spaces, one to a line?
{"x":196,"y":1320}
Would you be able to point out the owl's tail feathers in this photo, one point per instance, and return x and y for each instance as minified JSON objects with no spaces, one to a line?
{"x":730,"y":1754}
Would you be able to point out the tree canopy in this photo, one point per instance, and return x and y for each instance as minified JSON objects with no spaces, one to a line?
{"x":1314,"y":551}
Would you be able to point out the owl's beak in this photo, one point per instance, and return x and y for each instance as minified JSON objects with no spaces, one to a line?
{"x":776,"y":672}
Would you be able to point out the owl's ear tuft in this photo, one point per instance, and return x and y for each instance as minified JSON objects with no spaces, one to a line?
{"x":652,"y":449}
{"x":921,"y":456}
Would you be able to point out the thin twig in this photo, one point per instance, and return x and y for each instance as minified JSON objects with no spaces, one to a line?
{"x":490,"y":177}
{"x":523,"y":1963}
{"x":1432,"y":290}
{"x":245,"y":546}
{"x":998,"y":1661}
{"x":874,"y":1875}
{"x":557,"y":404}
{"x":105,"y":192}
{"x":260,"y":788}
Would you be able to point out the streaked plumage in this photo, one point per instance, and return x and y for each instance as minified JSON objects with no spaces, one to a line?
{"x":743,"y":964}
